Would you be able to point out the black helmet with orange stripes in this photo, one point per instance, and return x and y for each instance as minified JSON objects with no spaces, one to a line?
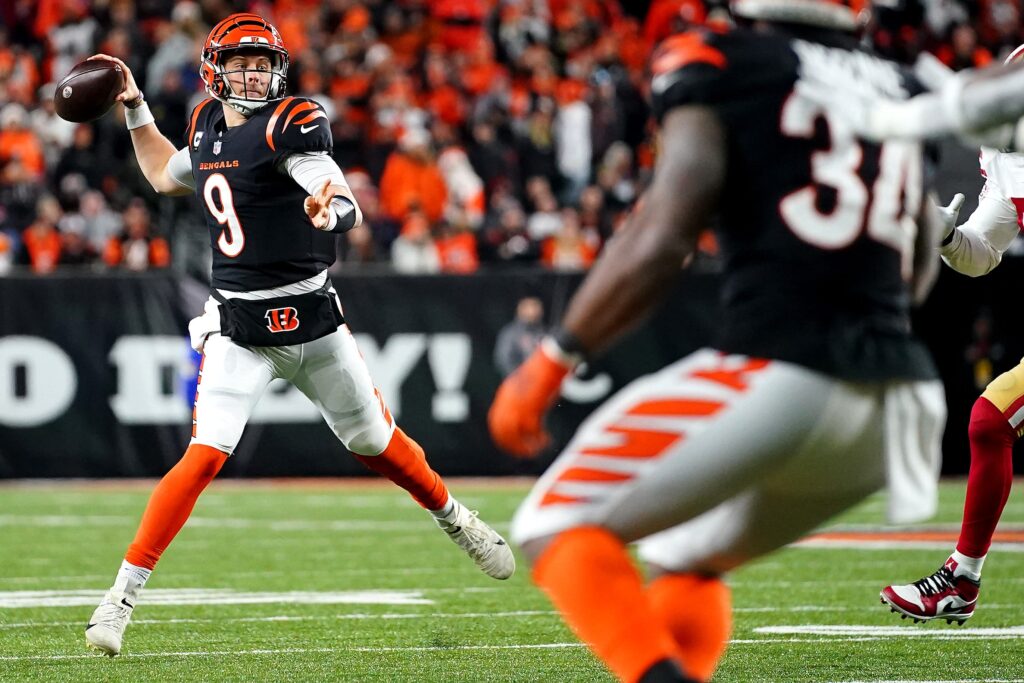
{"x":842,"y":15}
{"x":243,"y":32}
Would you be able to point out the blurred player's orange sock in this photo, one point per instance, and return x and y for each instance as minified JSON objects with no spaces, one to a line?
{"x":589,"y":577}
{"x":404,"y":463}
{"x":172,"y":502}
{"x":698,"y":611}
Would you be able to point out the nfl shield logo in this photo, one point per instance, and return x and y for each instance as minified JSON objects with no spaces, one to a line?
{"x":216,"y":147}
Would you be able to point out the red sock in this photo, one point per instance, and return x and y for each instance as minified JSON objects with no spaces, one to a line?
{"x":404,"y":463}
{"x":589,"y":577}
{"x":989,"y":479}
{"x":698,"y":612}
{"x":171,"y":503}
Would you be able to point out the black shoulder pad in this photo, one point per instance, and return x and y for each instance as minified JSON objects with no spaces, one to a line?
{"x":718,"y":69}
{"x":299,"y":124}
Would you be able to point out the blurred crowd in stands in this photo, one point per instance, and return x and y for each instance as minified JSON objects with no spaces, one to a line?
{"x":473,"y":132}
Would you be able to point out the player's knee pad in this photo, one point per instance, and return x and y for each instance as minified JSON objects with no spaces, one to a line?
{"x":366,"y":434}
{"x":988,"y":424}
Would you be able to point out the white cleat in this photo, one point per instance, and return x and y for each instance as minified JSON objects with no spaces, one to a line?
{"x":106,"y":627}
{"x":482,"y":543}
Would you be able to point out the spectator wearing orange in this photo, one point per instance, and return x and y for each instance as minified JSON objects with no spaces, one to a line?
{"x":456,"y":249}
{"x":481,"y":69}
{"x":19,"y":142}
{"x":441,"y":98}
{"x":136,"y":248}
{"x":18,"y":71}
{"x":460,"y":23}
{"x":667,"y":17}
{"x":405,"y":39}
{"x":412,"y":180}
{"x":964,"y":52}
{"x":351,"y":83}
{"x":571,"y":248}
{"x":41,"y":241}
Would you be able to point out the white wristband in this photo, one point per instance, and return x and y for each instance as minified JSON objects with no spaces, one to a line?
{"x":138,"y":117}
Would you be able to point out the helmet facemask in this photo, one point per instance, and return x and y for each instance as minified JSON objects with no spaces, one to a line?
{"x":241,"y":97}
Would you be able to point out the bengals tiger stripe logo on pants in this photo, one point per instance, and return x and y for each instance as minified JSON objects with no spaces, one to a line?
{"x":282,"y":319}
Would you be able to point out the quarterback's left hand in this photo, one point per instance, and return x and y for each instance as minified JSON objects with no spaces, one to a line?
{"x":517,"y":413}
{"x":318,"y":206}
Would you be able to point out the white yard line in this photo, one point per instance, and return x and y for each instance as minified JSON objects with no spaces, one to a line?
{"x":215,"y":596}
{"x":290,"y":651}
{"x":947,"y":680}
{"x":51,"y":579}
{"x":867,"y":631}
{"x":312,"y":617}
{"x":285,"y":525}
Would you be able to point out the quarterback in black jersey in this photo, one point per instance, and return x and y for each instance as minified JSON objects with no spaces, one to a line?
{"x":816,"y":392}
{"x":274,"y":200}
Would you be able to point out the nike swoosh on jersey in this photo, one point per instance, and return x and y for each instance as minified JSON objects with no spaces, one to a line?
{"x":306,"y":129}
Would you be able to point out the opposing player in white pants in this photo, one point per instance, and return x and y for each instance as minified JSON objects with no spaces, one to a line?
{"x":816,"y":392}
{"x":274,"y":201}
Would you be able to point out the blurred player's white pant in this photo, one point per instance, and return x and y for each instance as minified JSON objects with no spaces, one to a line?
{"x":329,"y":370}
{"x":730,"y":458}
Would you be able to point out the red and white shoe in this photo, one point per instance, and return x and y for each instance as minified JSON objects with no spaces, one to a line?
{"x":943,"y":595}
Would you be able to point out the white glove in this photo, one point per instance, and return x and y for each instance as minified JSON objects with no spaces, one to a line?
{"x":949,"y":214}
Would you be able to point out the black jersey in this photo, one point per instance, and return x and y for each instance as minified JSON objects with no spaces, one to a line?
{"x":259,"y":231}
{"x":816,"y":227}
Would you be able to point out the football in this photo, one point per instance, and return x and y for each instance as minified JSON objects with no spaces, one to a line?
{"x":88,"y":91}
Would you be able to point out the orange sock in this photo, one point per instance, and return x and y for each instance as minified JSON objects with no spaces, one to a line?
{"x":404,"y":463}
{"x":698,"y":611}
{"x":589,"y":577}
{"x":171,"y":503}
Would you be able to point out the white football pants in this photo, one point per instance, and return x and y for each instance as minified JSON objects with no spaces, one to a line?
{"x":330,"y":371}
{"x":719,"y":459}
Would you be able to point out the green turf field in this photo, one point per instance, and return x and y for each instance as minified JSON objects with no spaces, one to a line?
{"x":326,"y":581}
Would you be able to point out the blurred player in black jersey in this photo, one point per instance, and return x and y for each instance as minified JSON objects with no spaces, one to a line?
{"x":274,"y":202}
{"x":815,"y":393}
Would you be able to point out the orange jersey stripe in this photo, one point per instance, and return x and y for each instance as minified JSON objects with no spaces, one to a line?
{"x":195,"y":401}
{"x":677,"y":406}
{"x":734,"y":378}
{"x":305,"y":106}
{"x":682,"y":49}
{"x":318,"y":114}
{"x":551,"y":498}
{"x":637,"y":443}
{"x":195,"y":118}
{"x":273,"y":122}
{"x":589,"y":474}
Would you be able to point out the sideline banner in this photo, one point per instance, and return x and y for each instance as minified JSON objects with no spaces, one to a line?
{"x":97,"y":378}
